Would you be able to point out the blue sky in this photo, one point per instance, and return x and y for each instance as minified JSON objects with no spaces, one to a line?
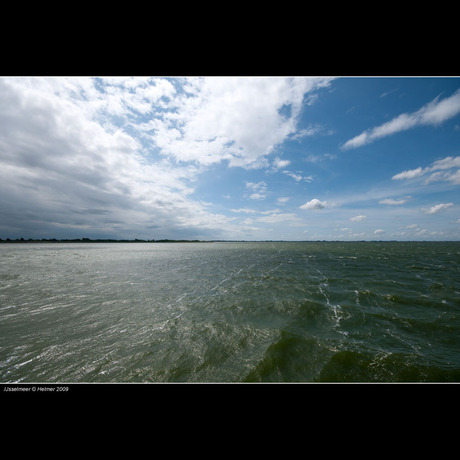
{"x":239,"y":158}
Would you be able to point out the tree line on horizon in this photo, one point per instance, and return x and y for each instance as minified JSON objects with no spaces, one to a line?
{"x":90,"y":240}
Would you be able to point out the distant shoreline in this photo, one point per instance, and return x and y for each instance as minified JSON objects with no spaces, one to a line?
{"x":89,"y":240}
{"x":136,"y":240}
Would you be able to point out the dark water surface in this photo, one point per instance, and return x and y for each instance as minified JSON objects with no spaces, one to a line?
{"x":230,"y":312}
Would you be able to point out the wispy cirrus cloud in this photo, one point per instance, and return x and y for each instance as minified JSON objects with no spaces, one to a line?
{"x":434,"y":113}
{"x":437,"y":208}
{"x":312,"y":130}
{"x":409,"y":174}
{"x":447,"y":169}
{"x":393,"y":202}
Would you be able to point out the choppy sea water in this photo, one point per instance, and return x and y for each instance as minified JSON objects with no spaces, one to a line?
{"x":230,"y":312}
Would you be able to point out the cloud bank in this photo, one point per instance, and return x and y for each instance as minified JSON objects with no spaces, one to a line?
{"x":121,"y":156}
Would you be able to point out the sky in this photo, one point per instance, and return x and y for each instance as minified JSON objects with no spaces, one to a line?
{"x":230,"y":158}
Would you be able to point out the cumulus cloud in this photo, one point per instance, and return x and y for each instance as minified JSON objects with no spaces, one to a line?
{"x":240,"y":120}
{"x":123,"y":155}
{"x":278,"y":163}
{"x":358,"y":218}
{"x":314,"y":204}
{"x":65,"y":165}
{"x":433,"y":113}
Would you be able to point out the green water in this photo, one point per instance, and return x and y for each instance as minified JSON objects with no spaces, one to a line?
{"x":230,"y":312}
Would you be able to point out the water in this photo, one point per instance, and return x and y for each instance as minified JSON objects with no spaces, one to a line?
{"x":230,"y":312}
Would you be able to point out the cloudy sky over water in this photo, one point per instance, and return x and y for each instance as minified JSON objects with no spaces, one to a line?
{"x":230,"y":158}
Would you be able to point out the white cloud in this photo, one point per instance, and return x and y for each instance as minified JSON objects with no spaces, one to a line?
{"x":312,"y":130}
{"x":379,"y":231}
{"x":393,"y":202}
{"x":446,"y":163}
{"x":120,"y":155}
{"x":280,"y":164}
{"x":319,"y":158}
{"x":297,"y":176}
{"x":433,"y":113}
{"x":244,"y":211}
{"x":358,"y":218}
{"x":454,"y":177}
{"x":314,"y":204}
{"x":437,"y":208}
{"x":65,"y":164}
{"x":241,"y":120}
{"x":409,"y":174}
{"x":259,"y":190}
{"x":442,"y":170}
{"x":283,"y":199}
{"x":123,"y":155}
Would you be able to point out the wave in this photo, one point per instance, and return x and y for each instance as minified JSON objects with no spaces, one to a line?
{"x":292,"y":358}
{"x":353,"y":366}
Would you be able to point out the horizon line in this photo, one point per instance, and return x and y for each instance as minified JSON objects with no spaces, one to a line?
{"x":169,"y":240}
